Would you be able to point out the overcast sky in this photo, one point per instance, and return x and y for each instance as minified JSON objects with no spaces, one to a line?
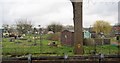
{"x":44,"y":12}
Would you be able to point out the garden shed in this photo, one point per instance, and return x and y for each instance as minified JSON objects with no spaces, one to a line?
{"x":67,"y":37}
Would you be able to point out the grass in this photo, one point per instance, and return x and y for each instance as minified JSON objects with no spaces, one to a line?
{"x":23,"y":47}
{"x":105,"y":49}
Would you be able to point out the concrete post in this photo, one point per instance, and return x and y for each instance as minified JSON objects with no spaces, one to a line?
{"x":78,"y":34}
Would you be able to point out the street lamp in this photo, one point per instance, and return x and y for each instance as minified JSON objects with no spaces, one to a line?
{"x":40,"y":32}
{"x":34,"y":36}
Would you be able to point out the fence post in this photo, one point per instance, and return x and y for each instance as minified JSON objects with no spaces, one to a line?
{"x":65,"y":58}
{"x":30,"y":58}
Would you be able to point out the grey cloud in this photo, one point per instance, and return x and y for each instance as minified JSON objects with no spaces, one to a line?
{"x":107,"y":11}
{"x":41,"y":13}
{"x":44,"y":12}
{"x":105,"y":8}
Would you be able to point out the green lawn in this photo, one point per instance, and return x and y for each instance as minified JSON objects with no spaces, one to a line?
{"x":23,"y":47}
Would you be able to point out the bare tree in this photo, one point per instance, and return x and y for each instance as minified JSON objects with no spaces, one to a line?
{"x":55,"y":27}
{"x":23,"y":26}
{"x":69,"y":27}
{"x":6,"y":27}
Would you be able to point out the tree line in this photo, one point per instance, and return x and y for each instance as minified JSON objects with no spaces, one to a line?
{"x":24,"y":26}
